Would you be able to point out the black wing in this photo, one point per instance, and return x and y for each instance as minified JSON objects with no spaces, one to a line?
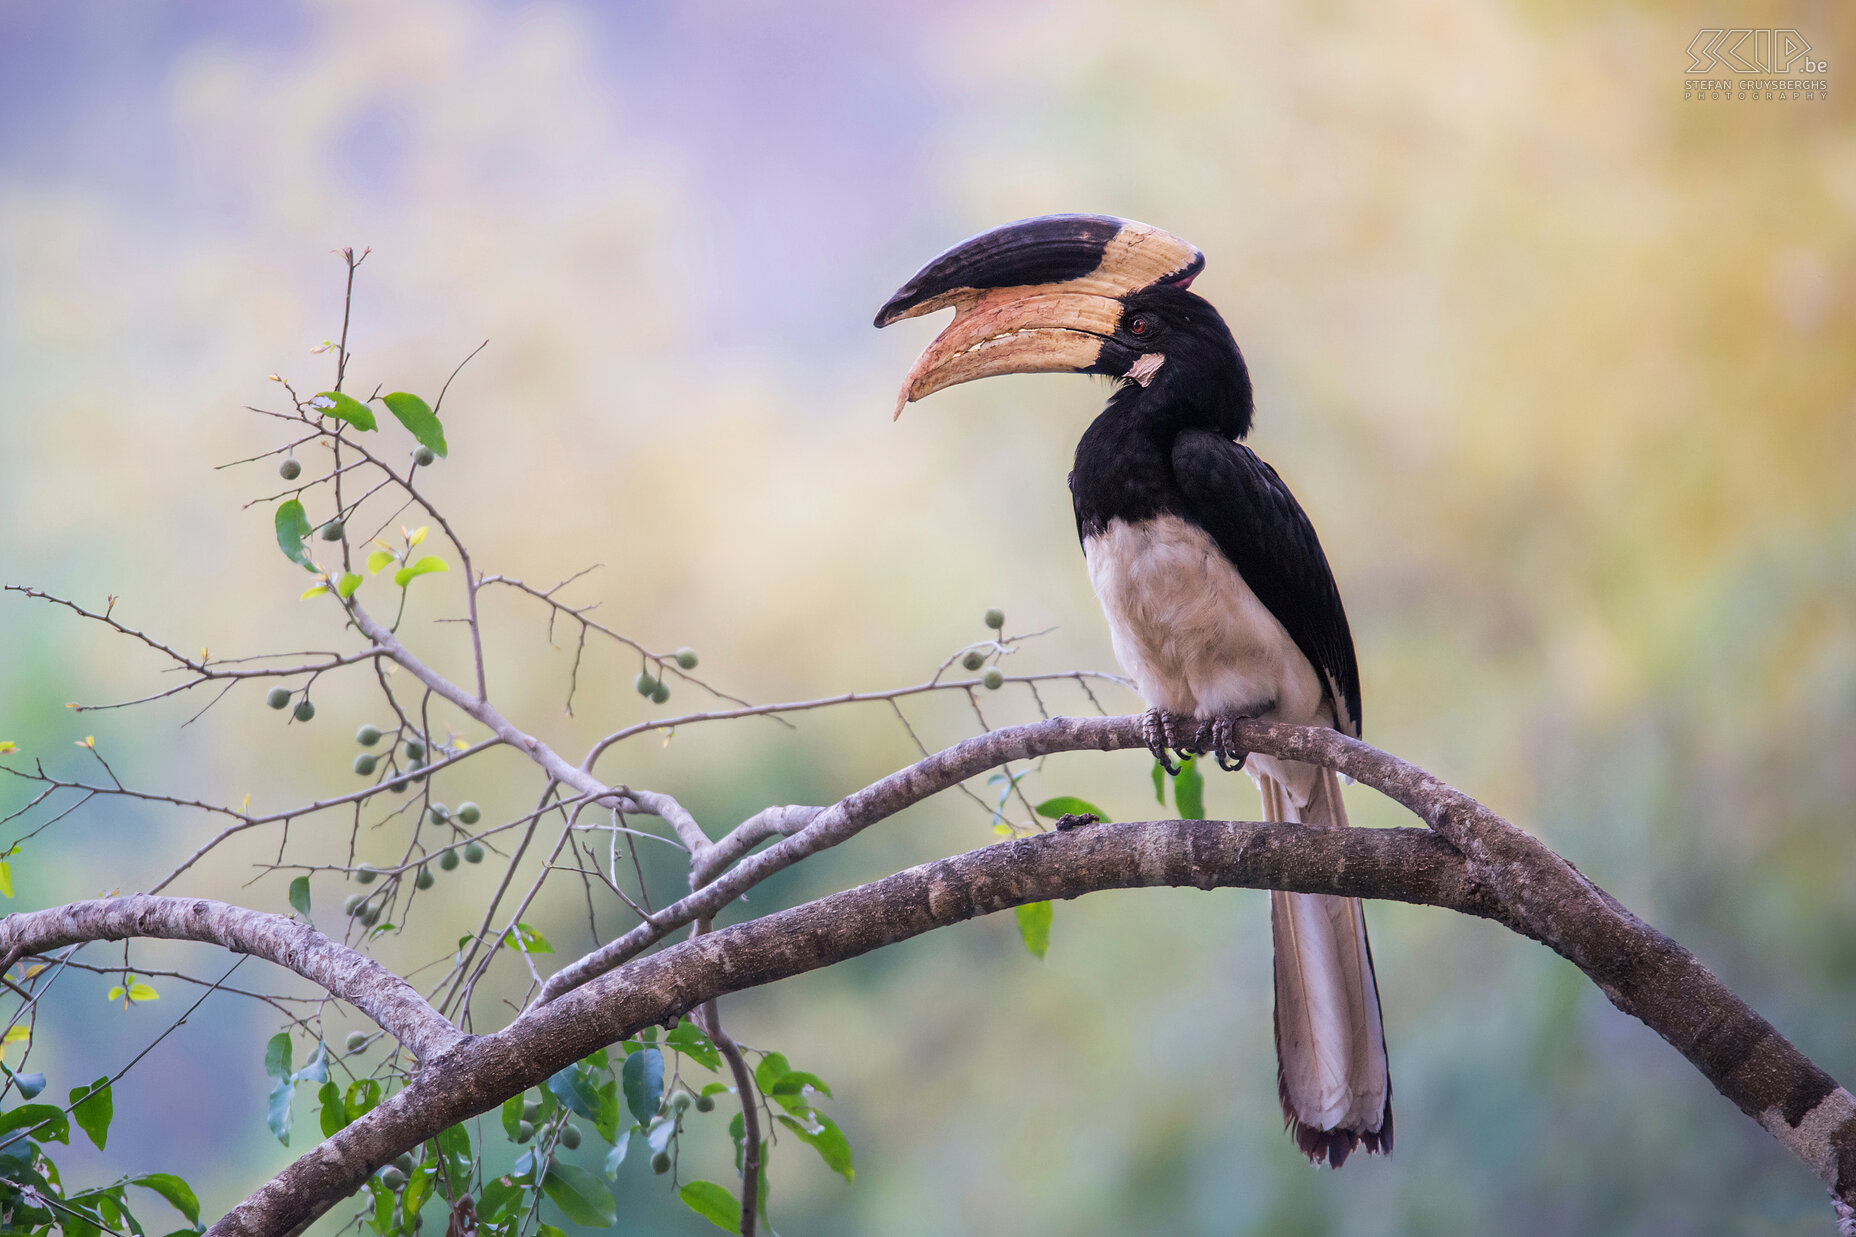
{"x":1255,"y":520}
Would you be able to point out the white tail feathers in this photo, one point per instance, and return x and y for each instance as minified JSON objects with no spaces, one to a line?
{"x":1331,"y":1070}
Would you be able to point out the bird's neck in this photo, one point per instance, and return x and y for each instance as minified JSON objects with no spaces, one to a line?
{"x":1124,"y":464}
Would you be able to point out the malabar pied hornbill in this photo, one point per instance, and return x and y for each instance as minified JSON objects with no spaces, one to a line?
{"x":1220,"y":602}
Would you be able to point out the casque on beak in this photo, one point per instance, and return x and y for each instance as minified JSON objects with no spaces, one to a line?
{"x":1037,"y":296}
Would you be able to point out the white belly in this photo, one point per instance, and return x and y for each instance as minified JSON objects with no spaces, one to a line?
{"x":1189,"y":631}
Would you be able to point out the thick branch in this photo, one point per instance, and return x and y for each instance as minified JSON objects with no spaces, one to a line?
{"x":1640,"y":970}
{"x":342,"y":972}
{"x":1410,"y":864}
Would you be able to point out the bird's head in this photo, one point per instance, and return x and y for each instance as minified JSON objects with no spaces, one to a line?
{"x":1085,"y":294}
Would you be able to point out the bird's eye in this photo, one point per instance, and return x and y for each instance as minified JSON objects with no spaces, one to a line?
{"x":1141,"y":326}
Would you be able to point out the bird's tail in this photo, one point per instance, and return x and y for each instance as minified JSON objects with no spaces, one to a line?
{"x":1331,"y":1070}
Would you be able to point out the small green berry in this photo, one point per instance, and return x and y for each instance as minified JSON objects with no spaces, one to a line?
{"x":352,"y":904}
{"x":449,"y":860}
{"x":686,"y":657}
{"x":705,"y":1103}
{"x":973,"y":660}
{"x":425,"y":879}
{"x":400,"y":788}
{"x":438,"y":813}
{"x":370,"y":915}
{"x":365,"y":874}
{"x":644,"y":683}
{"x":392,"y":1178}
{"x":570,"y":1136}
{"x":661,"y":693}
{"x":995,"y":619}
{"x":469,"y":813}
{"x":365,"y":764}
{"x":332,"y":531}
{"x":357,"y":1040}
{"x":660,"y":1163}
{"x":424,"y":456}
{"x":531,"y":1110}
{"x":681,"y":1100}
{"x":403,"y":1161}
{"x":367,"y":736}
{"x":473,"y":852}
{"x":279,"y":698}
{"x":304,"y":710}
{"x":289,"y":470}
{"x":415,"y":750}
{"x":993,"y":679}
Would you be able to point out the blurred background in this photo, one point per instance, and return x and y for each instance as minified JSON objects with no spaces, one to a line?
{"x":1560,"y":364}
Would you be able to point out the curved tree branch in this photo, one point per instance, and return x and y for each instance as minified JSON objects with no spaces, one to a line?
{"x":1470,"y":860}
{"x":345,"y":973}
{"x":1639,"y":969}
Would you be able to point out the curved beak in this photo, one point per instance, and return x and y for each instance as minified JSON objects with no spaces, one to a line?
{"x":1038,"y":296}
{"x":1015,"y":331}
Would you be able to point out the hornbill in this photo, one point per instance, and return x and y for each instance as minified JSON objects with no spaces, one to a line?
{"x":1219,"y":600}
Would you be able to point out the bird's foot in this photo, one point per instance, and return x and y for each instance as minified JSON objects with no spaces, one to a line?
{"x":1229,"y":755}
{"x":1157,"y":730}
{"x":1076,"y":820}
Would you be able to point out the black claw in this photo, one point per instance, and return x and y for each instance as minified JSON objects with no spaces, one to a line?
{"x":1225,"y":749}
{"x":1076,"y":820}
{"x":1154,"y":730}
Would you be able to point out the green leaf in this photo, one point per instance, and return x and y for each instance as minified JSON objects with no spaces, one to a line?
{"x":362,"y":1095}
{"x":292,"y":528}
{"x":1034,"y":927}
{"x":179,"y":1194}
{"x":299,"y":895}
{"x":828,"y":1140}
{"x":46,"y":1122}
{"x":643,"y":1081}
{"x":314,"y":590}
{"x":141,"y":990}
{"x":576,"y":1092}
{"x":713,"y":1203}
{"x":1189,"y":790}
{"x":379,"y":559}
{"x":92,"y":1108}
{"x":527,"y":940}
{"x":6,"y":878}
{"x":1070,"y":805}
{"x":795,"y":1082}
{"x":581,"y":1196}
{"x":771,"y":1069}
{"x":277,"y":1056}
{"x":346,"y":586}
{"x":418,"y":1189}
{"x":512,"y":1114}
{"x":334,"y":1112}
{"x":688,"y":1038}
{"x":425,"y":566}
{"x":316,"y":1069}
{"x":607,"y":1122}
{"x":416,"y":415}
{"x":346,"y":408}
{"x":277,"y":1114}
{"x":500,"y":1197}
{"x":1159,"y":783}
{"x":595,"y":1059}
{"x":382,"y":1221}
{"x":616,"y":1156}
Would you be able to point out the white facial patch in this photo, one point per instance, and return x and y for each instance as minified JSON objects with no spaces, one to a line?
{"x":1146,"y":366}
